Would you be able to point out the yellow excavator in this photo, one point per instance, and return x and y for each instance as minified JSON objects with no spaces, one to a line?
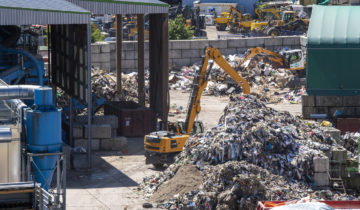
{"x":286,"y":19}
{"x":289,"y":59}
{"x":162,"y":146}
{"x":264,"y":15}
{"x":233,"y":18}
{"x":270,"y":13}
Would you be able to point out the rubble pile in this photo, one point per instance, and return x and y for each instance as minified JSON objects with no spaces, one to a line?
{"x":274,"y":140}
{"x":62,"y":99}
{"x":255,"y":153}
{"x":261,"y":75}
{"x":103,"y":84}
{"x":351,"y":142}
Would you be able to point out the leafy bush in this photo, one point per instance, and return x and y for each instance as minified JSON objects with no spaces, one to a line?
{"x":96,"y":34}
{"x":179,"y":30}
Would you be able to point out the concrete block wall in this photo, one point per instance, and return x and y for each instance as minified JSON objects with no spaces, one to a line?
{"x":103,"y":133}
{"x":100,"y":54}
{"x":184,"y":52}
{"x":303,"y":43}
{"x":347,"y":105}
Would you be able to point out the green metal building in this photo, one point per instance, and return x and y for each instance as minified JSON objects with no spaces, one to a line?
{"x":333,"y":51}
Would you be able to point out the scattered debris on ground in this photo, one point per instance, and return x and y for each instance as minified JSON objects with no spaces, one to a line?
{"x":265,"y":79}
{"x":255,"y":153}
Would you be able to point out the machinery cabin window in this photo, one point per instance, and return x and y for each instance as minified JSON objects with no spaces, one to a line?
{"x":295,"y":57}
{"x":288,"y":17}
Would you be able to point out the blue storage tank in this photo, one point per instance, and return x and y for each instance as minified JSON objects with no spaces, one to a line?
{"x":43,"y":130}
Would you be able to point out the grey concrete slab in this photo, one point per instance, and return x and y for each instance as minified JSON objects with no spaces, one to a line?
{"x":112,"y":182}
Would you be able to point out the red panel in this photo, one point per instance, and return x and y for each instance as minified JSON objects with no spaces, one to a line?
{"x":133,"y":121}
{"x":334,"y":204}
{"x":348,"y":124}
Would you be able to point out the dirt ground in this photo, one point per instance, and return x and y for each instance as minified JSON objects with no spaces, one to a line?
{"x":187,"y":178}
{"x":113,"y":181}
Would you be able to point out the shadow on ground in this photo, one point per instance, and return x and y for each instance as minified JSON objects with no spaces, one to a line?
{"x":104,"y":174}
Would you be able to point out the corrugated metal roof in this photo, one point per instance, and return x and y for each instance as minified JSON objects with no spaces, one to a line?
{"x":334,"y":26}
{"x":123,"y":6}
{"x":23,"y":12}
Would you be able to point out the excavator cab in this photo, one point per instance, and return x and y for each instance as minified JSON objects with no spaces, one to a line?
{"x":225,"y":15}
{"x":293,"y":59}
{"x":198,"y":127}
{"x":288,"y":16}
{"x":246,"y":17}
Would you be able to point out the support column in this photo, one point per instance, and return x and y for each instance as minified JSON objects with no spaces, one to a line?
{"x":118,"y":52}
{"x":159,"y":71}
{"x":165,"y":66}
{"x":141,"y":57}
{"x":155,"y":90}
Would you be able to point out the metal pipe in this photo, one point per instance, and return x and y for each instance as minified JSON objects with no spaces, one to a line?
{"x":16,"y":104}
{"x":17,"y":92}
{"x":5,"y":133}
{"x":18,"y":185}
{"x":64,"y":180}
{"x":89,"y":95}
{"x":31,"y":57}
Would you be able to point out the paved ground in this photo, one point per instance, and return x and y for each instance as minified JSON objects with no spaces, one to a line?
{"x":294,"y":109}
{"x":113,"y":181}
{"x":212,"y":33}
{"x":211,"y":107}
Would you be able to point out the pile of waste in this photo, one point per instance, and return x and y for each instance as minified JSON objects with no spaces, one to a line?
{"x":255,"y":153}
{"x":351,"y":142}
{"x":103,"y":85}
{"x":258,"y":71}
{"x":62,"y":98}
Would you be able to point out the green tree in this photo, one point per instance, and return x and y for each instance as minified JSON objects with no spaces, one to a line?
{"x":96,"y":34}
{"x":178,"y":29}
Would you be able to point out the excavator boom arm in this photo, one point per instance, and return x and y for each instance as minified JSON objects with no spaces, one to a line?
{"x":259,"y":50}
{"x":233,"y":11}
{"x":200,"y":84}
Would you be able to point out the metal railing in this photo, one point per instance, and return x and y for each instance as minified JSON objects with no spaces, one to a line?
{"x":55,"y":197}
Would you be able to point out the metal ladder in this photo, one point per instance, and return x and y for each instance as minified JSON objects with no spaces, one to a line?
{"x":336,"y":178}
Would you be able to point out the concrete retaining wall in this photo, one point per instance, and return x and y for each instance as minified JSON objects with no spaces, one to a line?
{"x":184,"y":52}
{"x":347,"y":105}
{"x":303,"y":43}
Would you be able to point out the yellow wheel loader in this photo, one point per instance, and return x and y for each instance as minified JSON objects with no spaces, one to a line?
{"x":162,"y":146}
{"x":286,"y":18}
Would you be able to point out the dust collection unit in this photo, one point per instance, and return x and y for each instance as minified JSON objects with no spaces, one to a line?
{"x":32,"y":170}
